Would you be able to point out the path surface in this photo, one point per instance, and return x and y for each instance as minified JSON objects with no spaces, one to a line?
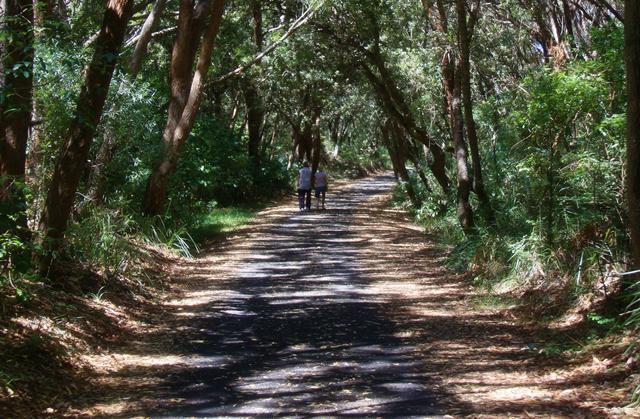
{"x":333,"y":313}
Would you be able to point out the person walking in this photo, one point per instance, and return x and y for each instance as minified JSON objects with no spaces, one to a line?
{"x":304,"y":187}
{"x":321,"y":183}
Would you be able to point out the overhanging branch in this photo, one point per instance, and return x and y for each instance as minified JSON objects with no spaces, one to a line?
{"x":304,"y":18}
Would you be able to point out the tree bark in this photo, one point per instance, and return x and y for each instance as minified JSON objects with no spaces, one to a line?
{"x":305,"y":143}
{"x":316,"y":148}
{"x":255,"y":119}
{"x":632,"y":58}
{"x":16,"y":85}
{"x":295,"y":137}
{"x":255,"y":111}
{"x":72,"y":160}
{"x":15,"y":112}
{"x":464,"y":210}
{"x":98,"y":178}
{"x":157,"y":187}
{"x":42,"y":10}
{"x":398,"y":160}
{"x":145,"y":36}
{"x":182,"y":57}
{"x":256,"y":13}
{"x":409,"y":151}
{"x":464,"y":39}
{"x":612,"y":10}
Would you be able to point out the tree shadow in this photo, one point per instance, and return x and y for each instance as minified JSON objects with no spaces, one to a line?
{"x":342,"y":312}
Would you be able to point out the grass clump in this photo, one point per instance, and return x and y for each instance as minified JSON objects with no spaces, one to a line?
{"x":219,"y":221}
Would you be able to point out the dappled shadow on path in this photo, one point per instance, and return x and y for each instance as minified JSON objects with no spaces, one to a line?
{"x":344,"y":312}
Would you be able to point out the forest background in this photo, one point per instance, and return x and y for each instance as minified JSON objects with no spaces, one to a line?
{"x":133,"y":124}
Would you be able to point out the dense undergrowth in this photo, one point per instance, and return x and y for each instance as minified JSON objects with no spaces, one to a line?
{"x":553,"y":151}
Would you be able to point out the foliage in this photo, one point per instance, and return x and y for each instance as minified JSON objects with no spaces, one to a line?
{"x":553,"y":144}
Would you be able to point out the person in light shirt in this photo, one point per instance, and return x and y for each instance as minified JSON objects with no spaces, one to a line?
{"x":321,"y":183}
{"x":304,"y":187}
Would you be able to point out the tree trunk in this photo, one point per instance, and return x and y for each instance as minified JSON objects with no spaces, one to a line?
{"x":182,"y":56}
{"x":295,"y":137}
{"x":632,"y":56}
{"x":34,"y":153}
{"x":409,"y":152}
{"x":447,"y":66}
{"x":465,"y":213}
{"x":255,"y":118}
{"x":255,"y":111}
{"x":305,"y":145}
{"x":15,"y":112}
{"x":334,"y":131}
{"x":72,"y":160}
{"x":316,"y":148}
{"x":98,"y":178}
{"x":145,"y":36}
{"x":43,"y":11}
{"x":398,"y":160}
{"x":157,"y":187}
{"x":464,"y":39}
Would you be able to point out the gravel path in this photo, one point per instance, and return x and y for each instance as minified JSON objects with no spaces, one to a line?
{"x":301,"y":327}
{"x":343,"y":312}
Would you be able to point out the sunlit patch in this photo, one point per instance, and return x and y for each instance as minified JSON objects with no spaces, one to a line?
{"x":404,"y":387}
{"x":298,"y":348}
{"x":257,"y":407}
{"x":206,"y":296}
{"x":211,"y":361}
{"x":118,"y":361}
{"x":239,"y":313}
{"x":517,"y":393}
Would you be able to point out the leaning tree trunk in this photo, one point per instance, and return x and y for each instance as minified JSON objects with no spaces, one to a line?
{"x":182,"y":56}
{"x":157,"y":187}
{"x":392,"y":142}
{"x":632,"y":56}
{"x":15,"y":112}
{"x":145,"y":36}
{"x":72,"y":160}
{"x":393,"y":102}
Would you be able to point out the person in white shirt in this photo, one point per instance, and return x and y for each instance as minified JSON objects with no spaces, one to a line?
{"x":304,"y":187}
{"x":320,"y":183}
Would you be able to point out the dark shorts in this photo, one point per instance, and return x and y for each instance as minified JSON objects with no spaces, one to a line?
{"x":320,"y":189}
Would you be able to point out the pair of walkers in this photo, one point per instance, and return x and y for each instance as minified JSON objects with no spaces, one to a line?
{"x":307,"y":180}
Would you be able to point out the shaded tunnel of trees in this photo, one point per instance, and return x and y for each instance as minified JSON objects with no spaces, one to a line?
{"x":513,"y":127}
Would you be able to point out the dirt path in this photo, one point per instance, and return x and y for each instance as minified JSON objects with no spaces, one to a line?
{"x":340,"y":312}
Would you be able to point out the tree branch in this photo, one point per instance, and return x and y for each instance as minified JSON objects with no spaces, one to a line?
{"x":609,"y":7}
{"x":145,"y":36}
{"x":304,"y":18}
